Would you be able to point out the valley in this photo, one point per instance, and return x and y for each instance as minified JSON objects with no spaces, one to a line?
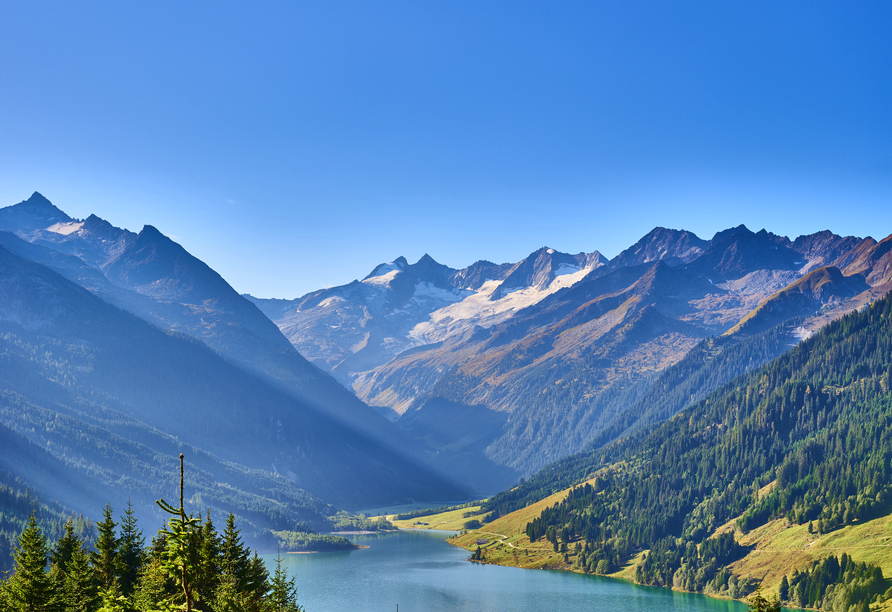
{"x":557,"y":390}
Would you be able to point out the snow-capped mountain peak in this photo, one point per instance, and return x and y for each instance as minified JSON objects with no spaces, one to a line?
{"x":386,"y":272}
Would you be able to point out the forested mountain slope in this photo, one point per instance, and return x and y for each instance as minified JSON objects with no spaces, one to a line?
{"x":806,"y":438}
{"x":109,"y":395}
{"x":153,"y":277}
{"x":555,"y":375}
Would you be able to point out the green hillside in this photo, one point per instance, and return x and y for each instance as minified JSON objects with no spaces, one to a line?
{"x":805,"y":440}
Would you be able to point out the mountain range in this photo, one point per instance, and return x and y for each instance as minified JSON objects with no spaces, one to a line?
{"x":121,"y":350}
{"x":529,"y":362}
{"x":418,"y":382}
{"x":425,"y":383}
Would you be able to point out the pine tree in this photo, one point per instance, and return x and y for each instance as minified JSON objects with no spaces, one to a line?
{"x":65,"y":548}
{"x":283,"y":591}
{"x":235,"y":556}
{"x":784,"y":591}
{"x":30,"y":587}
{"x":80,"y":593}
{"x":207,"y":577}
{"x":132,"y":549}
{"x":106,"y":562}
{"x":182,"y":533}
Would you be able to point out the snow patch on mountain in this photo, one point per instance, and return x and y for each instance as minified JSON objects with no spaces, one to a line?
{"x":384,"y":279}
{"x":478,"y":309}
{"x":429,"y":291}
{"x":66,"y":229}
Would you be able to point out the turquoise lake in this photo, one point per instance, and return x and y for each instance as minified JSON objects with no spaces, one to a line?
{"x":419,"y":572}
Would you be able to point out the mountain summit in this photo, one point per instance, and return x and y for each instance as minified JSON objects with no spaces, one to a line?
{"x":32,"y":214}
{"x":531,"y":360}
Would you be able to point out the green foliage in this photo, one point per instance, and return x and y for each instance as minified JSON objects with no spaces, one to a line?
{"x":226,"y":577}
{"x":207,"y":575}
{"x":758,"y":603}
{"x":131,"y":546}
{"x":344,"y":521}
{"x":283,"y":591}
{"x":836,"y":584}
{"x":30,"y":586}
{"x":818,"y":420}
{"x":106,"y":560}
{"x":80,"y":589}
{"x":17,"y":500}
{"x":187,"y":563}
{"x":301,"y":541}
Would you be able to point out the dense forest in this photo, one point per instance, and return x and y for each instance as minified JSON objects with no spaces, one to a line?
{"x":187,"y":565}
{"x":634,"y":407}
{"x":807,"y":437}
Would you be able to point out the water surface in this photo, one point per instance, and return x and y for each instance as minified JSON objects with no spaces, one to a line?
{"x":420,"y":572}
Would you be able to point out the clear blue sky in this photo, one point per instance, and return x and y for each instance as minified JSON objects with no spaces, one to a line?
{"x":295,"y":145}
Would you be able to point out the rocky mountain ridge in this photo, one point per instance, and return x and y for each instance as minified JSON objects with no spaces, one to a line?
{"x":505,"y":380}
{"x":354,"y":328}
{"x":154,"y":278}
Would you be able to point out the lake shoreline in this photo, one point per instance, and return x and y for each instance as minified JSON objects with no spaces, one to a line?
{"x":610,"y":577}
{"x":414,"y":569}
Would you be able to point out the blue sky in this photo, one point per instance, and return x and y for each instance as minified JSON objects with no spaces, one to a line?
{"x":295,"y":145}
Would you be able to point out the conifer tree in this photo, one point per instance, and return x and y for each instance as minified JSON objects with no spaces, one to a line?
{"x":283,"y":591}
{"x":153,"y":586}
{"x":132,"y":550}
{"x":227,"y":597}
{"x":208,"y":575}
{"x":784,"y":590}
{"x":257,"y":580}
{"x":235,"y":556}
{"x":30,"y":587}
{"x":758,"y":603}
{"x":65,"y":548}
{"x":80,"y":592}
{"x":106,"y":562}
{"x":180,"y":559}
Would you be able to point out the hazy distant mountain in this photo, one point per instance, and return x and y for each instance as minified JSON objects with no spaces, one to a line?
{"x":489,"y":371}
{"x":153,"y":277}
{"x":541,"y":360}
{"x":78,"y":369}
{"x":350,"y":330}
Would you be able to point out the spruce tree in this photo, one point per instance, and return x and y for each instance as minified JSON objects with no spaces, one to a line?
{"x":181,"y":557}
{"x":235,"y":556}
{"x":65,"y":548}
{"x":80,"y":593}
{"x":30,"y":587}
{"x":257,"y":579}
{"x":154,"y":587}
{"x":208,"y":576}
{"x":283,"y":591}
{"x":784,"y":591}
{"x":106,"y":561}
{"x":132,"y":549}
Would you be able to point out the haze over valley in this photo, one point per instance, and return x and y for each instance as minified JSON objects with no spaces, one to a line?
{"x":315,"y":306}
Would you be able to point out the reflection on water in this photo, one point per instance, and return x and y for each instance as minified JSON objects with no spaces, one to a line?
{"x":418,"y":571}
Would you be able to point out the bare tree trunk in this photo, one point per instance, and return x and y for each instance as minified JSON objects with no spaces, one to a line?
{"x":186,"y":590}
